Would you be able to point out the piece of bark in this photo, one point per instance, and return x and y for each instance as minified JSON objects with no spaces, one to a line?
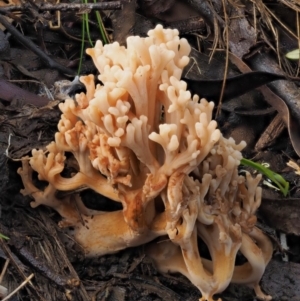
{"x":242,"y":35}
{"x":287,"y":90}
{"x":287,"y":99}
{"x":273,"y":130}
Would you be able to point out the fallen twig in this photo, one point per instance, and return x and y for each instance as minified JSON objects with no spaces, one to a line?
{"x":60,"y":280}
{"x":9,"y":255}
{"x":4,"y":269}
{"x":18,"y":288}
{"x":3,"y":289}
{"x":45,"y":6}
{"x":194,"y":24}
{"x":34,"y":48}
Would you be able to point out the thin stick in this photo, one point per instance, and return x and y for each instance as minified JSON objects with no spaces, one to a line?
{"x":4,"y":269}
{"x":298,"y":34}
{"x":279,"y":21}
{"x":34,"y":48}
{"x":45,"y":6}
{"x":18,"y":288}
{"x":226,"y":36}
{"x":17,"y":266}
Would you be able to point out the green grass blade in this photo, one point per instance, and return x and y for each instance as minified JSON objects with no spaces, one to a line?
{"x":103,"y":32}
{"x":4,"y":237}
{"x":293,"y":55}
{"x":82,"y":46}
{"x":87,"y":26}
{"x":277,"y":179}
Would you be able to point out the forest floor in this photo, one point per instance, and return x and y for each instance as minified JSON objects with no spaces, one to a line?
{"x":40,"y":54}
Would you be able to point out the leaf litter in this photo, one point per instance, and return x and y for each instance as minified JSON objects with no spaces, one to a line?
{"x":37,"y":246}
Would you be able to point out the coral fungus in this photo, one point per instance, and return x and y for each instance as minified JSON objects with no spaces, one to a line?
{"x":141,"y":138}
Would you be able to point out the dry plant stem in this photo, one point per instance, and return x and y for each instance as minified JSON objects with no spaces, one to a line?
{"x":279,"y":21}
{"x":8,"y":253}
{"x":4,"y":269}
{"x":34,"y":48}
{"x":294,"y":5}
{"x":59,"y":280}
{"x":61,"y":253}
{"x":45,"y":6}
{"x":190,"y":25}
{"x":18,"y":288}
{"x":226,"y":37}
{"x":3,"y":290}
